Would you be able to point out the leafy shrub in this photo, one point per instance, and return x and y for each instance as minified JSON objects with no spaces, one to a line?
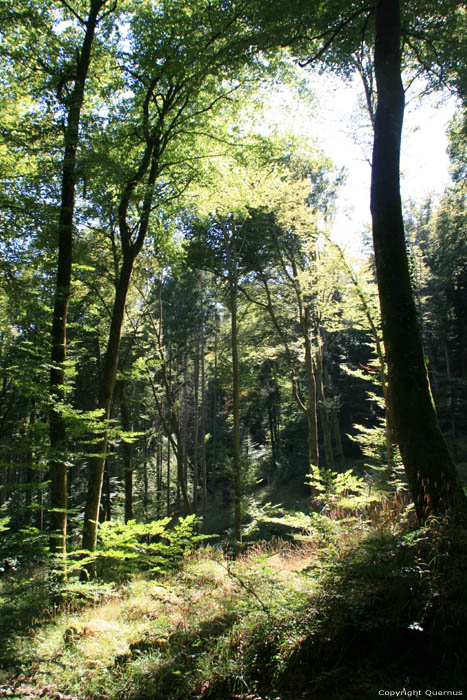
{"x":340,"y":492}
{"x":28,"y":545}
{"x":125,"y":549}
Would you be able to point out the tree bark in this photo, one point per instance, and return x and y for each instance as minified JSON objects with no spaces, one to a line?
{"x":311,"y":413}
{"x":145,"y":479}
{"x":196,"y":422}
{"x":337,"y":435}
{"x":203,"y":419}
{"x":324,"y":410}
{"x":57,"y":427}
{"x":126,"y":448}
{"x":214,"y":415}
{"x":431,"y":473}
{"x":97,"y":460}
{"x":132,"y":239}
{"x":232,"y":265}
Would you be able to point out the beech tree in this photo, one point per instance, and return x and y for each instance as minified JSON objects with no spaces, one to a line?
{"x":48,"y":50}
{"x":179,"y":71}
{"x":431,"y":473}
{"x":336,"y":32}
{"x":77,"y":75}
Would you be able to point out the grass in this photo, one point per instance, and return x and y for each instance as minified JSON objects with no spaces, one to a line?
{"x":340,"y":616}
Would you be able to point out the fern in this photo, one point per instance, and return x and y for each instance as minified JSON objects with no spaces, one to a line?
{"x":339,"y":490}
{"x":128,"y":548}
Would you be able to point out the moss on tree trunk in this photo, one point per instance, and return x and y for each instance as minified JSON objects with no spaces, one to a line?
{"x":431,"y":473}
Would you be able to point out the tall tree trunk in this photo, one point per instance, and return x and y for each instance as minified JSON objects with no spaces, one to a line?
{"x":388,"y":427}
{"x":126,"y":448}
{"x":159,"y":478}
{"x":40,"y":503}
{"x":214,"y":416}
{"x":173,"y":428}
{"x":30,"y":466}
{"x":272,"y":435}
{"x":57,"y":427}
{"x":336,"y":430}
{"x":106,"y":514}
{"x":203,"y":421}
{"x":196,"y":423}
{"x":97,"y":460}
{"x":3,"y":479}
{"x":430,"y":470}
{"x":232,"y":264}
{"x":183,"y":461}
{"x":145,"y":479}
{"x":132,"y":244}
{"x":309,"y":405}
{"x":168,"y":478}
{"x":324,"y":410}
{"x":311,"y":412}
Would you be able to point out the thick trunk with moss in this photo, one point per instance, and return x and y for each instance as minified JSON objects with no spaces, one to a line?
{"x":430,"y":470}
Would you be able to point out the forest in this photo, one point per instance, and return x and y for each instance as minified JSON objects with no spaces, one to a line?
{"x":233,"y":451}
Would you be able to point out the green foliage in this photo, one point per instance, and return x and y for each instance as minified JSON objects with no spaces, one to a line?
{"x":25,"y":603}
{"x":128,"y":548}
{"x":4,"y":524}
{"x":340,"y":490}
{"x":263,"y":522}
{"x":283,"y":621}
{"x":28,"y":545}
{"x":372,"y":441}
{"x":327,"y":530}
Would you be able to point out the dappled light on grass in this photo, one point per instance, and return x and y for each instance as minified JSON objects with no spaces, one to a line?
{"x":153,"y":625}
{"x":354,"y":608}
{"x":283,"y":555}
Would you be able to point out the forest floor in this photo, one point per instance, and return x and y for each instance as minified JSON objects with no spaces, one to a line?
{"x":361,"y":612}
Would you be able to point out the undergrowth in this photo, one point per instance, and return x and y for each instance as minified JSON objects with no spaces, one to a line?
{"x":350,"y":608}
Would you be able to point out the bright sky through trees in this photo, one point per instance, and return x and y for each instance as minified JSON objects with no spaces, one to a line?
{"x":342,"y":129}
{"x":424,"y":159}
